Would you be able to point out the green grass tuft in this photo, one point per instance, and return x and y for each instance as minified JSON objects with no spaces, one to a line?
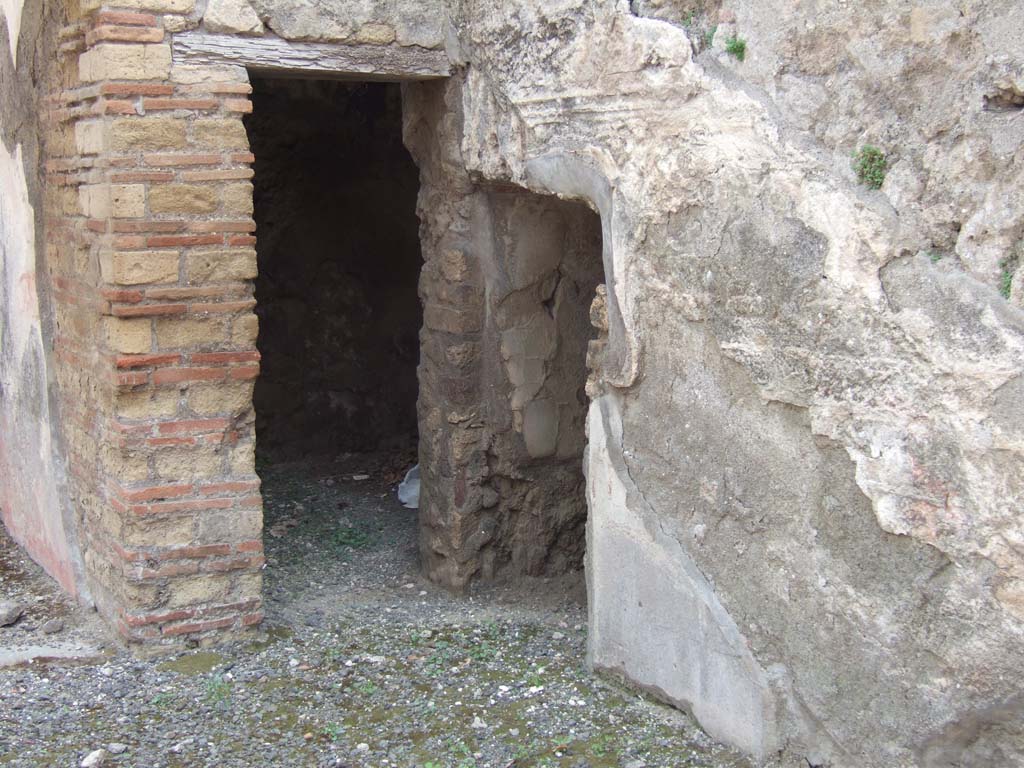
{"x":736,"y":46}
{"x":1006,"y":276}
{"x":870,"y":165}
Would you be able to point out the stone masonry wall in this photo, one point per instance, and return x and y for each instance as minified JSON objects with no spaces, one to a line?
{"x":507,"y":283}
{"x":803,"y":469}
{"x":149,"y":231}
{"x":147,"y":221}
{"x":452,"y":292}
{"x":153,"y":259}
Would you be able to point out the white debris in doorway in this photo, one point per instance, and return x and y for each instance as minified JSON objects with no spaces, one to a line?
{"x":409,"y":489}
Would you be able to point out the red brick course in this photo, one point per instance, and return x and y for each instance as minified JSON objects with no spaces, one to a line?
{"x":124,"y":383}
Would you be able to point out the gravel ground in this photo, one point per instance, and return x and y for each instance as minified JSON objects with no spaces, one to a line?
{"x":360,"y":662}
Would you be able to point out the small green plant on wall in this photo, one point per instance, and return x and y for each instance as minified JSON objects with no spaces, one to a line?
{"x":1007,"y":269}
{"x":736,"y":46}
{"x":870,"y":165}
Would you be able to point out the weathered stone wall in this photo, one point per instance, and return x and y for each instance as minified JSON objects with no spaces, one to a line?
{"x":451,"y":425}
{"x":339,"y":260}
{"x":147,"y":220}
{"x":144,"y":367}
{"x":155,"y":335}
{"x":507,"y":284}
{"x":938,"y":86}
{"x":802,"y":521}
{"x":541,"y":259}
{"x":804,"y":472}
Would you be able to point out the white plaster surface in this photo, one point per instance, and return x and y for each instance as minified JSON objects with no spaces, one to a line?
{"x":653,"y":617}
{"x":11,"y":10}
{"x":29,"y":500}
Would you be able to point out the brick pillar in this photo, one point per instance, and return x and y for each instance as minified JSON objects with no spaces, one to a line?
{"x":153,"y":279}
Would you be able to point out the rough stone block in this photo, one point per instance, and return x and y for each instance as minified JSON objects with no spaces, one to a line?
{"x":127,"y":466}
{"x":225,"y":399}
{"x":375,"y":33}
{"x":90,"y":137}
{"x":451,"y":320}
{"x":133,"y":133}
{"x":243,"y":458}
{"x":188,"y":463}
{"x":127,"y":201}
{"x":220,"y":133}
{"x":194,"y":590}
{"x":183,"y":198}
{"x":138,"y":267}
{"x":94,"y":200}
{"x":213,"y":266}
{"x":232,"y":17}
{"x":154,"y":532}
{"x":121,"y":201}
{"x":176,"y":334}
{"x":462,"y":355}
{"x":244,"y":331}
{"x":231,"y":526}
{"x":128,"y":335}
{"x":454,"y":265}
{"x":147,"y":404}
{"x":125,"y":61}
{"x":237,"y":199}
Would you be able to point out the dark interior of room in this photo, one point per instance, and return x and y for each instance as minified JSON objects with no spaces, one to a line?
{"x":339,"y":261}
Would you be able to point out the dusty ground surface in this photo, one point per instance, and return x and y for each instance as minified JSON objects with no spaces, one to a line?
{"x":359,"y":663}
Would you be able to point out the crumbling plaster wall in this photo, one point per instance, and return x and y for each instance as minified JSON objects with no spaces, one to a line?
{"x":34,"y":503}
{"x":938,"y":86}
{"x":815,"y":428}
{"x":541,"y":259}
{"x":804,"y":470}
{"x":507,"y":281}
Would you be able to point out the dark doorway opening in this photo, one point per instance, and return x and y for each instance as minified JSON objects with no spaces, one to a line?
{"x":339,"y":261}
{"x":338,"y":252}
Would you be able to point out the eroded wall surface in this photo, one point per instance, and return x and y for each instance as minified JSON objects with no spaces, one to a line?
{"x":541,"y":259}
{"x":34,"y":503}
{"x":938,"y":86}
{"x":803,"y":510}
{"x":804,"y":472}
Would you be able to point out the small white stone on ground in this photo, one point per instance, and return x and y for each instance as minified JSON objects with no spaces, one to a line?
{"x":95,"y":758}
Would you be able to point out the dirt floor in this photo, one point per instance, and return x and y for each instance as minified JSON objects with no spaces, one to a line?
{"x":360,"y":662}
